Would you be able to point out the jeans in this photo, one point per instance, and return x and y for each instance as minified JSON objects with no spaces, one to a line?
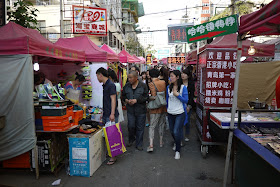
{"x":136,"y":125}
{"x":188,"y":124}
{"x":176,"y":123}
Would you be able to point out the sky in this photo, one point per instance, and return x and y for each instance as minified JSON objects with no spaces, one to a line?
{"x":160,"y":21}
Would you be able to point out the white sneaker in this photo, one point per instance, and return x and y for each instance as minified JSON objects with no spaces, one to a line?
{"x":174,"y":147}
{"x":177,"y":155}
{"x":186,"y":139}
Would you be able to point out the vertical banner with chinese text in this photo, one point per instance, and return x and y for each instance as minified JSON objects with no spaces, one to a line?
{"x":216,"y":74}
{"x":90,"y":20}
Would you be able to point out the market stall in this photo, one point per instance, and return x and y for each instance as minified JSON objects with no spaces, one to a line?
{"x":21,"y":48}
{"x":96,"y":58}
{"x":252,"y":156}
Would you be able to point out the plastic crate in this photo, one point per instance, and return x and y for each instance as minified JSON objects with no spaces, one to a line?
{"x":54,"y":103}
{"x":21,"y":161}
{"x":57,"y":128}
{"x":53,"y":112}
{"x":55,"y":120}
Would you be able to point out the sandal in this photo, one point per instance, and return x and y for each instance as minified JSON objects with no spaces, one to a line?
{"x":111,"y":162}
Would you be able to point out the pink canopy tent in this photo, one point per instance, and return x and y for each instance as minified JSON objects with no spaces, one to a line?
{"x":112,"y":56}
{"x":138,"y":60}
{"x":163,"y":60}
{"x":230,"y":41}
{"x":125,"y":57}
{"x":16,"y":39}
{"x":93,"y":52}
{"x":143,"y":60}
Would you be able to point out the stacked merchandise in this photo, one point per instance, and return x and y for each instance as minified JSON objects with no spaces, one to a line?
{"x":86,"y":86}
{"x":56,"y":116}
{"x":48,"y":92}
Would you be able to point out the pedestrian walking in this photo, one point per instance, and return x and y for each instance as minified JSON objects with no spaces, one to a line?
{"x":110,"y":112}
{"x":187,"y":81}
{"x":157,"y":116}
{"x":114,"y":79}
{"x":144,"y":76}
{"x":148,"y":80}
{"x":176,"y":97}
{"x":164,"y":75}
{"x":135,"y":95}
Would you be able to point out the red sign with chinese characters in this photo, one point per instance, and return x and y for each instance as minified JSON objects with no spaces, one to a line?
{"x":177,"y":33}
{"x":216,"y":74}
{"x":176,"y":60}
{"x":89,"y":20}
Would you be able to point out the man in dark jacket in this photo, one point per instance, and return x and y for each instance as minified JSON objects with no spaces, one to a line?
{"x":135,"y":95}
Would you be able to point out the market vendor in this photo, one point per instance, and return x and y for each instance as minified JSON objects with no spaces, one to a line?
{"x":40,"y":78}
{"x":73,"y":88}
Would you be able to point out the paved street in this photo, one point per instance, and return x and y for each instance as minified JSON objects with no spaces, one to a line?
{"x":139,"y":168}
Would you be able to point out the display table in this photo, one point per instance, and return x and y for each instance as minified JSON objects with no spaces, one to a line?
{"x":220,"y":122}
{"x":254,"y":164}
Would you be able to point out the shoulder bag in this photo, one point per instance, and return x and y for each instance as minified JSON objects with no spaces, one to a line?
{"x":159,"y":100}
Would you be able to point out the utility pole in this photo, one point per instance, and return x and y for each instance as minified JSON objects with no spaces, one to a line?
{"x":61,"y":21}
{"x":232,"y":6}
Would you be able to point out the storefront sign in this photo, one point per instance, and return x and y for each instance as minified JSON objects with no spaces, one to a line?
{"x":149,"y":58}
{"x":176,"y":60}
{"x":216,"y":77}
{"x":177,"y":33}
{"x":219,"y":27}
{"x":90,"y":20}
{"x":2,"y":13}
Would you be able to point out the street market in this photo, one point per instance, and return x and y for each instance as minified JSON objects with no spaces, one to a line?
{"x":95,"y":102}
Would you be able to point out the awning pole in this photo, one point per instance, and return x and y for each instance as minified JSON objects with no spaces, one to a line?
{"x":233,"y":109}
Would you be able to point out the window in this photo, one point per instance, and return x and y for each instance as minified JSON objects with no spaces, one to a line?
{"x":205,"y":12}
{"x":205,"y":4}
{"x":67,"y":28}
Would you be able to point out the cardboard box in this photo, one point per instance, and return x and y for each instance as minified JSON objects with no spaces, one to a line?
{"x":86,"y":153}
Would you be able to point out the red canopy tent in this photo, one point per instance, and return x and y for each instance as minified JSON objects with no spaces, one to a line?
{"x":266,"y":21}
{"x":93,"y":52}
{"x":230,"y":41}
{"x":125,"y":57}
{"x":16,"y":39}
{"x":112,"y":56}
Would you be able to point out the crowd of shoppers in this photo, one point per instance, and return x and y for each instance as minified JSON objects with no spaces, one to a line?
{"x":143,"y":88}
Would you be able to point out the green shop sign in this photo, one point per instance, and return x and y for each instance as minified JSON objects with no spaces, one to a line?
{"x":215,"y":28}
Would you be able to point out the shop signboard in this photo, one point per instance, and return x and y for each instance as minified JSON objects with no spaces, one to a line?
{"x":216,"y":74}
{"x":176,"y":60}
{"x":2,"y":13}
{"x":219,"y":27}
{"x":149,"y":58}
{"x":177,"y":33}
{"x":89,"y":20}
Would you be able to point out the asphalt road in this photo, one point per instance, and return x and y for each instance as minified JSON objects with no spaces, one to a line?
{"x":139,"y":168}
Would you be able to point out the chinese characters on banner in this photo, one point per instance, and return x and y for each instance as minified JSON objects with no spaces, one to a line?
{"x":91,"y":20}
{"x":216,"y":77}
{"x":215,"y":28}
{"x":177,"y":33}
{"x":176,"y":60}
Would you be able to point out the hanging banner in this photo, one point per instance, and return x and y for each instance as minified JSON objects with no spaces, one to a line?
{"x":89,"y":20}
{"x":219,"y":27}
{"x":176,"y":60}
{"x":216,"y":74}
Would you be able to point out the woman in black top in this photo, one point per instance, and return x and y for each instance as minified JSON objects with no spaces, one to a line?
{"x":187,"y":81}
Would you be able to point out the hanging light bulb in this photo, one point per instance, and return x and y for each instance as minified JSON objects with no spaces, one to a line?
{"x":251,"y":50}
{"x":36,"y":66}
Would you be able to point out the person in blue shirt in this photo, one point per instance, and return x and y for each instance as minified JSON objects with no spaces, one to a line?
{"x":177,"y":98}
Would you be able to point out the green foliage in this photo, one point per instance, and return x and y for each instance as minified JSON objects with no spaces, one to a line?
{"x":241,"y":8}
{"x":23,"y":13}
{"x":150,"y":50}
{"x":132,"y":45}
